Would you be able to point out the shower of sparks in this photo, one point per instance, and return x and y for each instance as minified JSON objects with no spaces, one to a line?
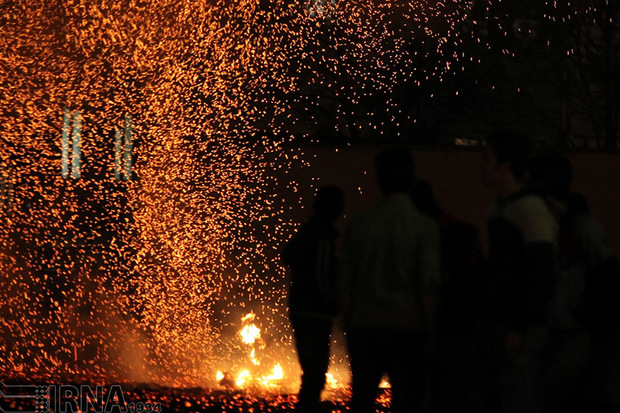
{"x":132,"y":275}
{"x":142,"y":274}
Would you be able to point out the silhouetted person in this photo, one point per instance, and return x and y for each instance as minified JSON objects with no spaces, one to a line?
{"x":583,"y":316}
{"x":521,"y":276}
{"x":462,"y":269}
{"x":390,"y":267}
{"x":313,"y":303}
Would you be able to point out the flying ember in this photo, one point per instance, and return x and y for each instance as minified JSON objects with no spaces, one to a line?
{"x":142,"y":158}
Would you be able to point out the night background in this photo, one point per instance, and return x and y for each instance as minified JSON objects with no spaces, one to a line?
{"x":156,"y":155}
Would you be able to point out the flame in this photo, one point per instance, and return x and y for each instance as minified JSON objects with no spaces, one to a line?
{"x":385,"y":383}
{"x":276,"y":374}
{"x":253,"y":358}
{"x":333,"y":384}
{"x":330,"y":381}
{"x":245,"y":378}
{"x":242,"y":378}
{"x":251,"y":377}
{"x":248,"y":317}
{"x":249,"y":334}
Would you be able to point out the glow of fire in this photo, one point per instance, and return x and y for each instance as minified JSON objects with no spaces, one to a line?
{"x":197,"y":89}
{"x":250,"y":334}
{"x":248,"y":317}
{"x":253,"y":358}
{"x":242,"y":378}
{"x":276,"y":374}
{"x":330,"y":381}
{"x":385,"y":383}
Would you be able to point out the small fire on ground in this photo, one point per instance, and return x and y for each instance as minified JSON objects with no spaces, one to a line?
{"x":251,"y":377}
{"x":272,"y":378}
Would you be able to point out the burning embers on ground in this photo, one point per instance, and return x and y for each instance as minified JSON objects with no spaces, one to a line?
{"x":129,"y":398}
{"x":253,"y":375}
{"x":268,"y":386}
{"x":257,"y":385}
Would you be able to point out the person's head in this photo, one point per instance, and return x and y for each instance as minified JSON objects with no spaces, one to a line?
{"x":328,"y":203}
{"x":552,"y":173}
{"x":506,"y":158}
{"x":395,"y":170}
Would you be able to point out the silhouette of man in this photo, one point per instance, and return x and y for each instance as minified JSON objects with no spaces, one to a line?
{"x":313,"y":303}
{"x":522,"y":274}
{"x":583,"y":315}
{"x":462,"y":276}
{"x":390,"y":266}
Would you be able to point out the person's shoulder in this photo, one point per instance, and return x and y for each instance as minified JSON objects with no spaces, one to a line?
{"x":527,"y":205}
{"x":527,"y":200}
{"x":531,"y":214}
{"x":396,"y":202}
{"x":378,"y":209}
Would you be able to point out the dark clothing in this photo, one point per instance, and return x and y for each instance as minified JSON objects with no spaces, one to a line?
{"x":521,"y":282}
{"x":507,"y":382}
{"x":400,"y":355}
{"x":311,"y":256}
{"x":312,"y":339}
{"x":581,"y":371}
{"x":390,"y":266}
{"x":462,"y":272}
{"x":312,"y":304}
{"x":521,"y":265}
{"x":462,"y":275}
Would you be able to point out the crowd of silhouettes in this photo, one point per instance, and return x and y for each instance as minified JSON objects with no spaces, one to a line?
{"x":529,"y":325}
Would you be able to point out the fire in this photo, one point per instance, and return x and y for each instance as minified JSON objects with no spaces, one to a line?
{"x":176,"y":239}
{"x":330,"y":381}
{"x":248,"y":317}
{"x":250,"y":335}
{"x":253,"y":358}
{"x":276,"y":374}
{"x":242,"y":378}
{"x":385,"y":383}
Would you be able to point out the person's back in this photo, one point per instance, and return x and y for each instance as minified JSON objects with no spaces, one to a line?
{"x":462,"y":275}
{"x":521,"y":278}
{"x":583,"y":312}
{"x":390,"y":262}
{"x":386,"y":244}
{"x":521,"y":235}
{"x":311,"y":256}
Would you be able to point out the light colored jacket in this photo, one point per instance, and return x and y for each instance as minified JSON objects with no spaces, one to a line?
{"x":390,"y":258}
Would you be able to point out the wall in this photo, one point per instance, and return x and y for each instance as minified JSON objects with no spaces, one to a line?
{"x":456,"y":177}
